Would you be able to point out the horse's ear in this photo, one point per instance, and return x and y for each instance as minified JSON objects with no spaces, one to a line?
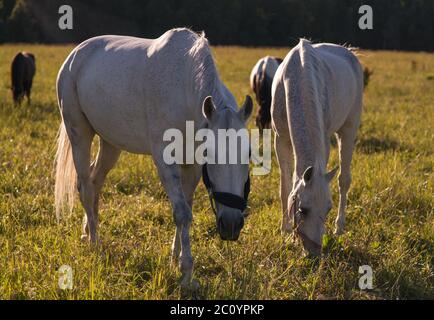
{"x":331,"y":174}
{"x":208,"y":108}
{"x":246,"y":109}
{"x":307,"y":175}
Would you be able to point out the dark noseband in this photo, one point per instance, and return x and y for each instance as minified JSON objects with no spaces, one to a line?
{"x":228,"y":199}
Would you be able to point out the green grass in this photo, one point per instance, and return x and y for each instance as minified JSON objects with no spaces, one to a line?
{"x":390,"y":222}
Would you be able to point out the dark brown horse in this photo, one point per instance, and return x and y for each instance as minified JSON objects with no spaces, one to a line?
{"x":22,"y":72}
{"x":261,"y":79}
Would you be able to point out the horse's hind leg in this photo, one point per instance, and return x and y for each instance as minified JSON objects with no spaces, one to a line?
{"x":346,"y":141}
{"x":81,"y":134}
{"x":18,"y":93}
{"x":105,"y":161}
{"x":28,"y":89}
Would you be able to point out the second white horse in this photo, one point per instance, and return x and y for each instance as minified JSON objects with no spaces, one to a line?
{"x":317,"y":91}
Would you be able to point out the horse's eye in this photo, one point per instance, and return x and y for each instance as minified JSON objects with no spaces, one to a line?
{"x":303,"y":211}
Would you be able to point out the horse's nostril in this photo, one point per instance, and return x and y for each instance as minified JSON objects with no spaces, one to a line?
{"x":229,"y":227}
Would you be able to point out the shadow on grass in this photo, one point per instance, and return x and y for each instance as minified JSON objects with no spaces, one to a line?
{"x":146,"y":268}
{"x":131,"y":187}
{"x":406,"y":288}
{"x":375,"y":145}
{"x":390,"y":282}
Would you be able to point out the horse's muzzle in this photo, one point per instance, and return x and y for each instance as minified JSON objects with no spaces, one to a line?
{"x":229,"y":226}
{"x":313,"y":248}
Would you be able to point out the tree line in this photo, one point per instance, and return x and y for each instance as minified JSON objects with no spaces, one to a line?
{"x":397,"y":24}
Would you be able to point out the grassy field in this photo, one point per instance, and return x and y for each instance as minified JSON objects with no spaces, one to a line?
{"x":390,"y":222}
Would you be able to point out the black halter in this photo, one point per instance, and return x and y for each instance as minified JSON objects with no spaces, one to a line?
{"x":228,"y":199}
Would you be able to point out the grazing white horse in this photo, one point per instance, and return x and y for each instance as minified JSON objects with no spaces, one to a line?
{"x":128,"y":91}
{"x":317,"y":91}
{"x":261,"y":79}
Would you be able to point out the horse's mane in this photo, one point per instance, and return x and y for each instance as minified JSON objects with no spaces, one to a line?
{"x":206,"y":78}
{"x":354,"y":50}
{"x":312,"y":96}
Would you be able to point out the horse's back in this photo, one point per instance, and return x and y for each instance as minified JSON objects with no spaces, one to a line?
{"x":130,"y":84}
{"x":343,"y":84}
{"x":17,"y":67}
{"x":112,"y":55}
{"x":340,"y":53}
{"x":342,"y":61}
{"x":266,"y":64}
{"x":338,"y":59}
{"x":23,"y":66}
{"x":332,"y":71}
{"x":23,"y":69}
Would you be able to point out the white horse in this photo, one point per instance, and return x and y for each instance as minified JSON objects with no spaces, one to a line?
{"x":128,"y":91}
{"x":317,"y":91}
{"x":261,"y":79}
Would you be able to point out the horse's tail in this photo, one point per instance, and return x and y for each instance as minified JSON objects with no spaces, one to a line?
{"x":66,"y":176}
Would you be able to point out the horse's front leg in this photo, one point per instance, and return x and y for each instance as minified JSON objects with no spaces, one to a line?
{"x":346,"y":141}
{"x":283,"y":151}
{"x":170,"y":176}
{"x":190,"y":176}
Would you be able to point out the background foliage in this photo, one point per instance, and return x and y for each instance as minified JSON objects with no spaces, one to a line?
{"x":398,"y":24}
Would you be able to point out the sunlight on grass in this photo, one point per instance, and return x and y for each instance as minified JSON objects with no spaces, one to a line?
{"x":390,"y":223}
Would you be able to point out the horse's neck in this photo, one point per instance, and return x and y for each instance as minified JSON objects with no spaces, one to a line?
{"x":222,"y":97}
{"x":307,"y":120}
{"x":206,"y":80}
{"x":308,"y":140}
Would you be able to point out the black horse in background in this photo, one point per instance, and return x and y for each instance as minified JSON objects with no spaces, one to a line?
{"x":22,"y":72}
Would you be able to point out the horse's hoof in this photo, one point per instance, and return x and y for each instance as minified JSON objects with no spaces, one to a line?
{"x":190,"y":289}
{"x":285,"y":232}
{"x":287,"y":238}
{"x":195,"y":285}
{"x":174,"y":260}
{"x":92,"y":241}
{"x":339,"y":231}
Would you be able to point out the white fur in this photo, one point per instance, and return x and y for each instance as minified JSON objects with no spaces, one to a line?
{"x":317,"y":91}
{"x":128,"y":91}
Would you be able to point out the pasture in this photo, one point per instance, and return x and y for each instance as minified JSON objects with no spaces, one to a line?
{"x":390,"y":216}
